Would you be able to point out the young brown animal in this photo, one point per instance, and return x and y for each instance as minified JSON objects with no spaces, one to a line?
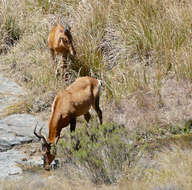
{"x":68,"y":104}
{"x":60,"y":41}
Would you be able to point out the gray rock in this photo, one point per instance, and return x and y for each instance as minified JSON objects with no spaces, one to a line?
{"x":8,"y":164}
{"x":15,"y":130}
{"x":18,"y":129}
{"x":10,"y":87}
{"x":10,"y":92}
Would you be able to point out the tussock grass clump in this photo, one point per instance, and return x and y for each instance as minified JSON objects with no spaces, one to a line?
{"x":89,"y":22}
{"x":152,"y":34}
{"x":11,"y":27}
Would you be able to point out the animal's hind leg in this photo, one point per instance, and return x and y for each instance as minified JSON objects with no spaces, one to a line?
{"x":98,"y":110}
{"x":87,"y":117}
{"x":75,"y":142}
{"x":72,"y":124}
{"x":72,"y":127}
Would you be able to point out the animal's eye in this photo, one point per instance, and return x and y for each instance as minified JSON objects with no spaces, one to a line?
{"x":65,"y":40}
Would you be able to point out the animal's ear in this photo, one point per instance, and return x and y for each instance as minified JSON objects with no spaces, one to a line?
{"x":68,"y":29}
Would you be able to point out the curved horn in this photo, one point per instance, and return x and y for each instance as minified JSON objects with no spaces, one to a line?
{"x":40,"y":136}
{"x":36,"y":133}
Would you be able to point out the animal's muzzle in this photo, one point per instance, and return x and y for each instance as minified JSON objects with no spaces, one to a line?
{"x":47,"y":167}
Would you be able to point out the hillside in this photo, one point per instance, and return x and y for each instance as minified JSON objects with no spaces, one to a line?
{"x":142,"y":52}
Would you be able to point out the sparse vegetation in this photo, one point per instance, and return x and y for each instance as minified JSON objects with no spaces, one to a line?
{"x":142,"y":51}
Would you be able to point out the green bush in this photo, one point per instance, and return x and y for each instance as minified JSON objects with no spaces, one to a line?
{"x":101,"y":150}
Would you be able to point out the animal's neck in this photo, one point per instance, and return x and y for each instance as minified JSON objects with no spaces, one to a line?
{"x":52,"y":131}
{"x":57,"y":122}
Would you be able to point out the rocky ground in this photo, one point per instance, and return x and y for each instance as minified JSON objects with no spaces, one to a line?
{"x":17,"y":147}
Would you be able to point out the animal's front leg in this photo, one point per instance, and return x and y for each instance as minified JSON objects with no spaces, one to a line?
{"x":65,"y":74}
{"x":54,"y":59}
{"x":75,"y":142}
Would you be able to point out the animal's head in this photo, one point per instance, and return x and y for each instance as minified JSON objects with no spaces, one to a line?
{"x":48,"y":150}
{"x":66,"y":40}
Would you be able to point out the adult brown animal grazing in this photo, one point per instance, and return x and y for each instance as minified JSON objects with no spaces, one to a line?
{"x":60,"y":41}
{"x":74,"y":101}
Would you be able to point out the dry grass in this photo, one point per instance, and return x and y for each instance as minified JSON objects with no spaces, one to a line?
{"x":134,"y":50}
{"x":140,"y":49}
{"x":19,"y":107}
{"x":168,"y":169}
{"x":54,"y":183}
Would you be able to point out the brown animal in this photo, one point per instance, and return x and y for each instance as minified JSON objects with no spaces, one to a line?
{"x":60,"y":41}
{"x":68,"y":104}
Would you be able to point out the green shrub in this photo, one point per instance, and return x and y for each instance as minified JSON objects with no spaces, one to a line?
{"x":102,"y":151}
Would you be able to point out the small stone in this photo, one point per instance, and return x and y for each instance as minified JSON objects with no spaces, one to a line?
{"x":24,"y":159}
{"x":15,"y":171}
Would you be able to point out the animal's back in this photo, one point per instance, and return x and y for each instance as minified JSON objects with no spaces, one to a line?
{"x":82,"y":84}
{"x":79,"y":96}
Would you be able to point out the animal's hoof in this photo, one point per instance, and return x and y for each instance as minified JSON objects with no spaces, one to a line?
{"x":55,"y":164}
